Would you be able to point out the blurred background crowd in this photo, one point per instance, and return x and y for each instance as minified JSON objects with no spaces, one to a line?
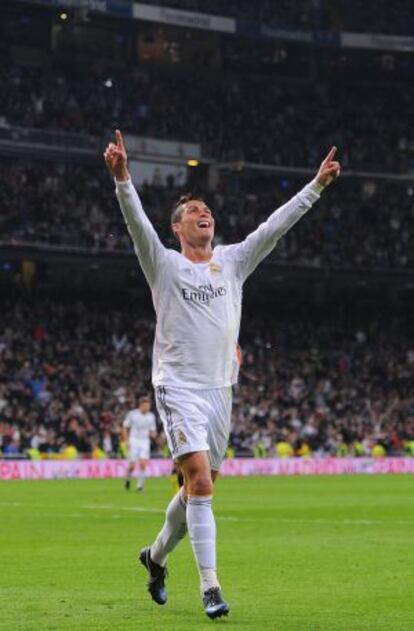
{"x":321,"y":386}
{"x":286,"y":122}
{"x":355,"y":224}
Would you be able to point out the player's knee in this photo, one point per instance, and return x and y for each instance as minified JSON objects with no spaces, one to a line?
{"x":201,"y":484}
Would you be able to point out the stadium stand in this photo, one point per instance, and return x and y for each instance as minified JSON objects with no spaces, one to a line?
{"x":279,"y":126}
{"x":75,"y":207}
{"x":327,"y":385}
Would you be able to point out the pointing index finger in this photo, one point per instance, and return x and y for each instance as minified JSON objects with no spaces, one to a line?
{"x":119,"y":140}
{"x":330,"y":155}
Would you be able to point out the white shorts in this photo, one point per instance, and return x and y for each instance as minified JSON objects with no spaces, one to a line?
{"x":138,"y":451}
{"x":196,"y":420}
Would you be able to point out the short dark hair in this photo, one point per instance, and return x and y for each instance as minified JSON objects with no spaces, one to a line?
{"x":143,"y":398}
{"x":177,"y":209}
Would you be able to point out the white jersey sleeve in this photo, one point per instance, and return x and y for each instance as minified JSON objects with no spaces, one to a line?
{"x":127,"y":421}
{"x":250,"y":252}
{"x":148,"y":247}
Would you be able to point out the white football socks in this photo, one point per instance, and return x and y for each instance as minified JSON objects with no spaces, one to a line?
{"x":202,"y":530}
{"x":173,"y":530}
{"x":140,"y":480}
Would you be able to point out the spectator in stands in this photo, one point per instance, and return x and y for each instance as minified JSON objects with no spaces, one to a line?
{"x":94,"y":223}
{"x":294,"y":397}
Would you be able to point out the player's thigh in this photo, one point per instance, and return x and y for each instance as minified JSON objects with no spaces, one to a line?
{"x":220,"y":401}
{"x":195,"y":464}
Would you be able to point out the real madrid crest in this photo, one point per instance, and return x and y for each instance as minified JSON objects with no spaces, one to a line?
{"x":214,"y":268}
{"x":182,"y":438}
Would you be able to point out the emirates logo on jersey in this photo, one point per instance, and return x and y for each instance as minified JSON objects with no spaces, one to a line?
{"x":204,"y":294}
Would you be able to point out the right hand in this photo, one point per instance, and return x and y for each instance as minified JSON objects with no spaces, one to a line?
{"x":116,"y":158}
{"x":329,"y":169}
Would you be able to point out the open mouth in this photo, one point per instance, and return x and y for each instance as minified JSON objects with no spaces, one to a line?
{"x":203,"y":223}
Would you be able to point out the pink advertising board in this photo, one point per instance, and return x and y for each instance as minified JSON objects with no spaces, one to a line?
{"x":60,"y":469}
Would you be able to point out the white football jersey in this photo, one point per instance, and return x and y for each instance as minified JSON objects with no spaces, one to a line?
{"x":140,"y":425}
{"x":198,"y":305}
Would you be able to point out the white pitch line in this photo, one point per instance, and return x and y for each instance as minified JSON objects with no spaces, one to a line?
{"x":363,"y":522}
{"x":285,"y":520}
{"x":135,"y":509}
{"x":142,"y":509}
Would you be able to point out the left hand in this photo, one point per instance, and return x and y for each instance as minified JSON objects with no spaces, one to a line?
{"x":329,"y":169}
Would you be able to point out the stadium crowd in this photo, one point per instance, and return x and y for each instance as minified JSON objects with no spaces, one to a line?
{"x":317,"y":385}
{"x":234,"y":117}
{"x":74,"y":206}
{"x":337,"y":15}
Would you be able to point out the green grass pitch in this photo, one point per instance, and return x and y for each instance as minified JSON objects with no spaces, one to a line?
{"x":302,"y":553}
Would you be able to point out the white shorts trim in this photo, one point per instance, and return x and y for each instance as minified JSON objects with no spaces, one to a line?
{"x":196,"y":420}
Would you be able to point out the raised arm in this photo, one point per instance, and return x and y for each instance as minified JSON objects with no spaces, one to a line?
{"x":148,"y":247}
{"x":250,"y":252}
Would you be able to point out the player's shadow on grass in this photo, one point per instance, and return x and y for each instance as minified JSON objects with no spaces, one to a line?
{"x":198,"y":619}
{"x":168,"y":616}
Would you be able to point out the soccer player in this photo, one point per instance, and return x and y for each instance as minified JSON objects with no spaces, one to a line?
{"x":197,"y":296}
{"x":139,"y":425}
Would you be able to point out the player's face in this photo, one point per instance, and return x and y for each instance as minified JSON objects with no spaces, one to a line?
{"x":197,"y":223}
{"x":145,"y":406}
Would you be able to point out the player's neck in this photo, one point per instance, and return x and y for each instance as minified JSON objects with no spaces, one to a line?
{"x":197,"y":253}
